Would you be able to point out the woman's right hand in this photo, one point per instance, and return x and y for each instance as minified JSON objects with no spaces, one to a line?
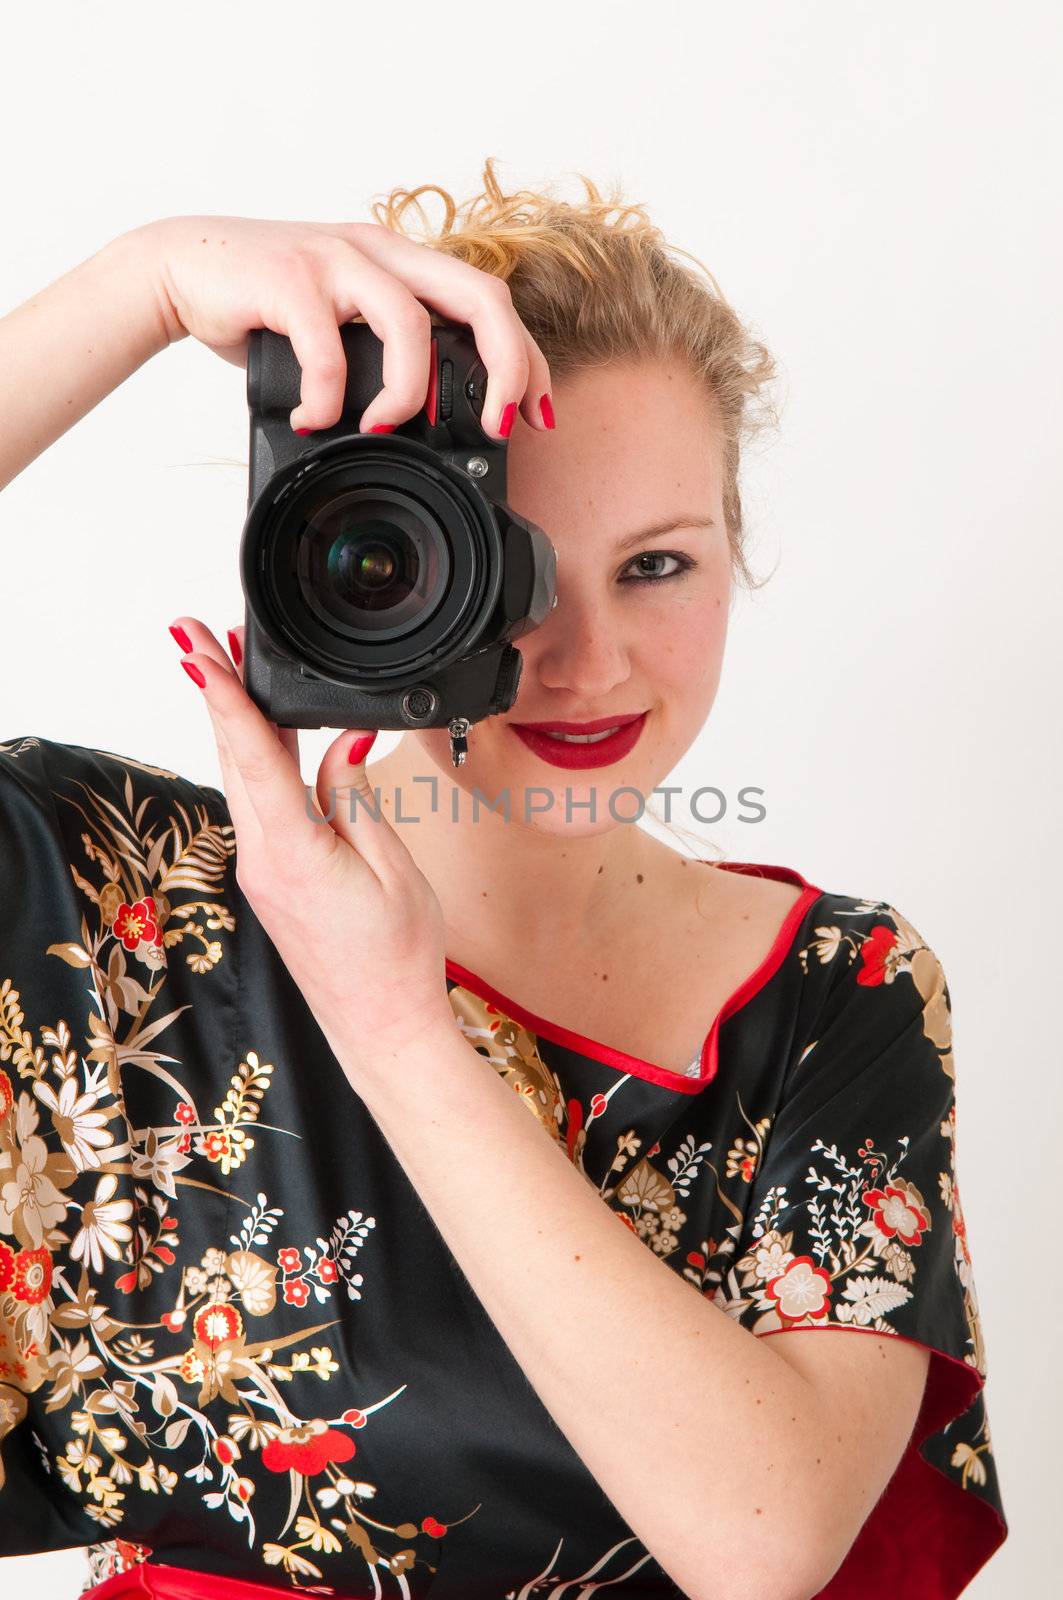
{"x":219,"y":277}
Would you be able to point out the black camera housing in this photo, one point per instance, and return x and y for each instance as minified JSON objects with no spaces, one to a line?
{"x":423,"y":510}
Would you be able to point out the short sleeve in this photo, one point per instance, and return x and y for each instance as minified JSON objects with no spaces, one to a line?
{"x":70,"y":815}
{"x":35,"y":902}
{"x":855,"y":1222}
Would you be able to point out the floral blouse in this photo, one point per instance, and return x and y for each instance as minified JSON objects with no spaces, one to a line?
{"x":231,"y":1337}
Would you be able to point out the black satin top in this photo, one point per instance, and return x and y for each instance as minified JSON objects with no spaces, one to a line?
{"x":231,"y":1337}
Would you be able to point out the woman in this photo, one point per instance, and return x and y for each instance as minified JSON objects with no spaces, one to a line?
{"x":368,"y":1221}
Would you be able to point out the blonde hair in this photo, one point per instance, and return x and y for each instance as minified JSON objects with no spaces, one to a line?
{"x":595,"y":281}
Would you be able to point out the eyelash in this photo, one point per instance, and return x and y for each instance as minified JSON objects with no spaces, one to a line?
{"x":687,"y":565}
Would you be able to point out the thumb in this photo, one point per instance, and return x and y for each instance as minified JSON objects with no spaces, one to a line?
{"x":346,"y":798}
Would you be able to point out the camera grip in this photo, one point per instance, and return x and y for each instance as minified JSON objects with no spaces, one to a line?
{"x":274,"y":377}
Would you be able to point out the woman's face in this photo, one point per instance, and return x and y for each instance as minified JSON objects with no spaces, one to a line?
{"x":640,"y":622}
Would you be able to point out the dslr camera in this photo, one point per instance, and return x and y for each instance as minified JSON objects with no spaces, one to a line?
{"x":384,"y":575}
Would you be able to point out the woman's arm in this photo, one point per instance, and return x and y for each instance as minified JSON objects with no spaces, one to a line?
{"x":215,"y":278}
{"x":745,"y":1465}
{"x":69,"y":345}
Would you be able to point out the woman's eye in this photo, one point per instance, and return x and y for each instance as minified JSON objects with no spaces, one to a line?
{"x":684,"y":565}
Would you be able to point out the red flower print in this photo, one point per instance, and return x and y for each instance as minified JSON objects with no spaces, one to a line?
{"x":192,"y":1369}
{"x":899,"y":1212}
{"x":575,"y":1123}
{"x":598,"y":1105}
{"x":130,"y":1554}
{"x":218,"y":1144}
{"x":137,"y":921}
{"x":33,"y":1276}
{"x":217,"y":1324}
{"x":173,"y":1320}
{"x":356,"y":1418}
{"x":696,"y":1259}
{"x":226,"y":1451}
{"x":307,"y":1449}
{"x":289,"y":1260}
{"x":185,"y":1113}
{"x":327,"y":1270}
{"x":959,"y":1225}
{"x":435,"y":1529}
{"x":7,"y":1265}
{"x":184,"y":1144}
{"x":7,"y":1095}
{"x":874,"y":954}
{"x":803,"y":1290}
{"x":244,"y":1489}
{"x":297,"y":1291}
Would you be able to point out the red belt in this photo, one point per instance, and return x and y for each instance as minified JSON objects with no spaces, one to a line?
{"x":179,"y":1583}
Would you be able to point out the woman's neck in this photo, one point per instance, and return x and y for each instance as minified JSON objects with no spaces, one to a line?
{"x":503,"y":883}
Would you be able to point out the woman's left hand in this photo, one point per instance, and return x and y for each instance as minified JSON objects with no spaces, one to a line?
{"x":352,"y":916}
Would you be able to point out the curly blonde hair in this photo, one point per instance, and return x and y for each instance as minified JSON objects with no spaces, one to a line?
{"x":595,"y":281}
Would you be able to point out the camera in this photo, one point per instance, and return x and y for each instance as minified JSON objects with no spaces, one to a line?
{"x":384,"y":575}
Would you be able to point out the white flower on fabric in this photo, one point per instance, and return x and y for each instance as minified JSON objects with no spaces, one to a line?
{"x":104,"y":1226}
{"x":79,"y":1125}
{"x":29,"y":1197}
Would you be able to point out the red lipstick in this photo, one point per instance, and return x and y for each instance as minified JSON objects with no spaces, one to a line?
{"x":600,"y":753}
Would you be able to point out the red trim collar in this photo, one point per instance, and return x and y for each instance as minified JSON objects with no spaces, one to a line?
{"x":619,"y":1059}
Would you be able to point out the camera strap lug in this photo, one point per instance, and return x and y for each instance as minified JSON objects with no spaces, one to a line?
{"x":459,"y":744}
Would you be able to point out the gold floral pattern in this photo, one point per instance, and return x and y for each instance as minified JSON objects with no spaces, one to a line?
{"x":219,"y":1295}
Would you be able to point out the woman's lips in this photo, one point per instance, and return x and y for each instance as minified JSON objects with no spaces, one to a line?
{"x":602,"y":753}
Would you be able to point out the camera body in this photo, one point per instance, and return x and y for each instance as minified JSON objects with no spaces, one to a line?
{"x":384,"y":575}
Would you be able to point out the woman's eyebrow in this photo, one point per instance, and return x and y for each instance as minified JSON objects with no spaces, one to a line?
{"x":666,"y":525}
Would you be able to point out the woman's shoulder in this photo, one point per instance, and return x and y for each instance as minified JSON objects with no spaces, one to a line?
{"x":863,"y":930}
{"x":41,"y":771}
{"x":855,"y":960}
{"x":92,"y":838}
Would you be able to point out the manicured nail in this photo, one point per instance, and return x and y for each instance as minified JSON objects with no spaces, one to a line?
{"x":505,"y":421}
{"x":383,"y":427}
{"x":194,"y":673}
{"x":546,"y":411}
{"x":304,"y":431}
{"x":234,"y":647}
{"x":181,"y":636}
{"x":361,"y":748}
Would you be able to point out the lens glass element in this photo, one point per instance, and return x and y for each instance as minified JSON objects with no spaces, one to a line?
{"x":370,"y":561}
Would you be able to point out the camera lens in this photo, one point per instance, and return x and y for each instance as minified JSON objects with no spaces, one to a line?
{"x":371,"y":565}
{"x":371,"y":561}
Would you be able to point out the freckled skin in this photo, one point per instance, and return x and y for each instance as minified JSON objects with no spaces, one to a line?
{"x":633,"y":442}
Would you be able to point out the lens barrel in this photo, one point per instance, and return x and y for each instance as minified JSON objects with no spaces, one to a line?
{"x":370,"y":561}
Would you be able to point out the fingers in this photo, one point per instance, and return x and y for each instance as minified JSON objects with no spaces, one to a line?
{"x":266,"y":795}
{"x":289,"y":737}
{"x":518,"y":372}
{"x":348,"y":283}
{"x":310,"y":323}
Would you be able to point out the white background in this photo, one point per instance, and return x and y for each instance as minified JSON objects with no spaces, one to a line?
{"x":877,"y":192}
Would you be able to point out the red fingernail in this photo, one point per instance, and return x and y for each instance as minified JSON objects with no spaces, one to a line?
{"x":234,"y":647}
{"x":194,"y":673}
{"x":505,"y":422}
{"x":546,"y":410}
{"x":304,"y":431}
{"x":181,"y":636}
{"x":383,"y":427}
{"x":361,"y":748}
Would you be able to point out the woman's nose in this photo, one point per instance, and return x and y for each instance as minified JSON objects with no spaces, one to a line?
{"x":580,"y":649}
